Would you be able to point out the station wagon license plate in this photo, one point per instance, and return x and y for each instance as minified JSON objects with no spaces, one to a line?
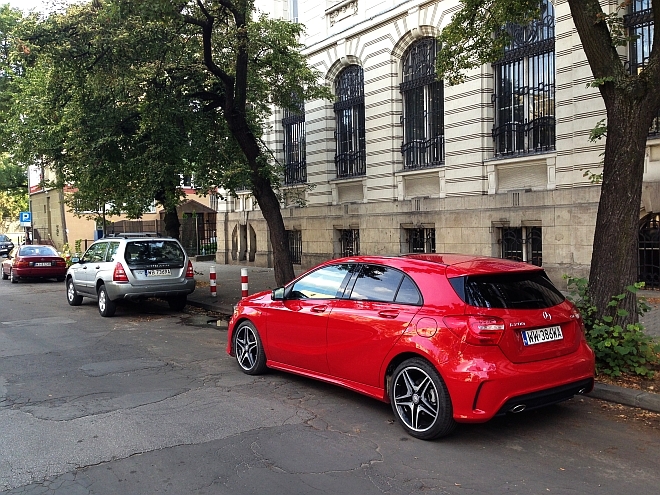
{"x":43,"y":263}
{"x":531,"y":337}
{"x":158,"y":273}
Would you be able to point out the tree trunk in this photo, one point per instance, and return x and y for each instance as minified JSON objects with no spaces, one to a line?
{"x":614,"y":258}
{"x":270,"y":209}
{"x":172,"y":224}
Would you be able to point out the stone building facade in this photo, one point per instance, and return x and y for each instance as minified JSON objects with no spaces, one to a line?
{"x":399,"y":162}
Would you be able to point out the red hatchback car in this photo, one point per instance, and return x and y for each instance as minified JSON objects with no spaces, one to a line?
{"x":34,"y":261}
{"x":444,"y":338}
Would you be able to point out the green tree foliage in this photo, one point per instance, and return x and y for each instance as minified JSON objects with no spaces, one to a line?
{"x":475,"y":36}
{"x":13,"y":176}
{"x":123,"y":96}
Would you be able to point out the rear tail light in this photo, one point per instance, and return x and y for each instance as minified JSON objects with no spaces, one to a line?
{"x":21,"y":264}
{"x":477,"y":330}
{"x":119,"y":275}
{"x":190,"y":273}
{"x":60,"y":263}
{"x":575,"y":315}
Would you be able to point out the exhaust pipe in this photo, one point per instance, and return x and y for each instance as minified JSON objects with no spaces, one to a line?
{"x":582,"y":391}
{"x":518,"y":408}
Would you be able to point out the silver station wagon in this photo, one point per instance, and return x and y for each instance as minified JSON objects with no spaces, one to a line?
{"x":131,"y":266}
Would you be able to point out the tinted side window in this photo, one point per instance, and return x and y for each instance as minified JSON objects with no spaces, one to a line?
{"x":514,"y":291}
{"x":377,"y":283}
{"x":96,"y":252}
{"x":112,"y":251}
{"x":324,"y":283}
{"x":408,"y":292}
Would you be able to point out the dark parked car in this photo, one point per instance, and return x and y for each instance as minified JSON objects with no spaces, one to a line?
{"x":6,"y":245}
{"x":33,"y":261}
{"x":443,"y":338}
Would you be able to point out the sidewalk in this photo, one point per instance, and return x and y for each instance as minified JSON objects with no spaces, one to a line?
{"x":228,"y":279}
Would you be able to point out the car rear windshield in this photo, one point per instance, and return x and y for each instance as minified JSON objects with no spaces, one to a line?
{"x":147,"y":252}
{"x":511,"y":291}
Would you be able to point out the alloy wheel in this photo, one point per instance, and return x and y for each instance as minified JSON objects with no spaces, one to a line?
{"x":416,"y":399}
{"x":249,"y":349}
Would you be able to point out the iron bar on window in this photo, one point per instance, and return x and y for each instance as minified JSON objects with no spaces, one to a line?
{"x":524,"y":96}
{"x":350,"y":156}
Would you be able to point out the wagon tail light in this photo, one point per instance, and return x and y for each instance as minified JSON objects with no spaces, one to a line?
{"x":119,"y":275}
{"x":189,"y":271}
{"x":477,"y":330}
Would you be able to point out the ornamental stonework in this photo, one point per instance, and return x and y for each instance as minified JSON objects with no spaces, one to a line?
{"x":342,"y":11}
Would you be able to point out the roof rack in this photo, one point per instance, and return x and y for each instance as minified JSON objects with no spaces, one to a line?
{"x":130,"y":235}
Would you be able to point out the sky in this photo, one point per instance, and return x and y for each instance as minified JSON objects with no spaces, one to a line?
{"x":29,"y":5}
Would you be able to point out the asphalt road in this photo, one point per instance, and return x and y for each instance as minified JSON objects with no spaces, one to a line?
{"x":148,"y":402}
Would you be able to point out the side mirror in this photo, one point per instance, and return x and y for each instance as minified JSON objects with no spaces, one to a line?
{"x":278,"y":294}
{"x":75,"y":259}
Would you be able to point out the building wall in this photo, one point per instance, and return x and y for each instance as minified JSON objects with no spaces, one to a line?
{"x":470,"y":197}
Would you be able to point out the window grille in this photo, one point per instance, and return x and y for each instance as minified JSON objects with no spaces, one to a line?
{"x":648,"y":261}
{"x":295,"y":161}
{"x":640,"y":27}
{"x":350,"y":242}
{"x":423,"y":107}
{"x":421,"y":240}
{"x":522,"y":244}
{"x":295,"y":246}
{"x":350,"y":156}
{"x":524,"y":96}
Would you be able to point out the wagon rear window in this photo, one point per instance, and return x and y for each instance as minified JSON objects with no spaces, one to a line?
{"x":512,"y":291}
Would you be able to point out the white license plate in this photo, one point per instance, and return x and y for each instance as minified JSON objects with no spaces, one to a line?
{"x":531,"y":337}
{"x":158,"y":273}
{"x":43,"y":263}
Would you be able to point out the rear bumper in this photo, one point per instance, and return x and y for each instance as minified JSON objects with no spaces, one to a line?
{"x":491,"y":385}
{"x":163,"y":291}
{"x":45,"y":272}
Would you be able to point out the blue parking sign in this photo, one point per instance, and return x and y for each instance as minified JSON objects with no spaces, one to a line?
{"x":25,"y":219}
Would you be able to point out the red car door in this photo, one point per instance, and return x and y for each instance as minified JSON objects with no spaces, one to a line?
{"x":297,"y":326}
{"x":362,"y":329}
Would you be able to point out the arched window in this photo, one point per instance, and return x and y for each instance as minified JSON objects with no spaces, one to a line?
{"x":525,"y":88}
{"x":350,"y":157}
{"x":640,"y":28}
{"x":423,"y":107}
{"x":295,"y":161}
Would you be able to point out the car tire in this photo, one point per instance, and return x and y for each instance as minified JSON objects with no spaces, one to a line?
{"x":106,"y":306}
{"x":72,"y":297}
{"x":4,"y":275}
{"x":178,"y":303}
{"x":12,"y":277}
{"x":420,"y":400}
{"x":248,"y":349}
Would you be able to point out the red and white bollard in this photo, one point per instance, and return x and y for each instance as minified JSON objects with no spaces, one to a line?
{"x":244,"y":282}
{"x":212,"y":282}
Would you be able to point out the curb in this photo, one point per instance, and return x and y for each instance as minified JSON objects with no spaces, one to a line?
{"x":626,"y":396}
{"x":223,"y":309}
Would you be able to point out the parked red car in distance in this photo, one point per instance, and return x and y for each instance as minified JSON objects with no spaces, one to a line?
{"x":445,"y":338}
{"x":33,"y":261}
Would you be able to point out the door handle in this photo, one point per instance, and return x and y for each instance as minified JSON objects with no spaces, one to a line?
{"x":388,"y":313}
{"x":318,"y":309}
